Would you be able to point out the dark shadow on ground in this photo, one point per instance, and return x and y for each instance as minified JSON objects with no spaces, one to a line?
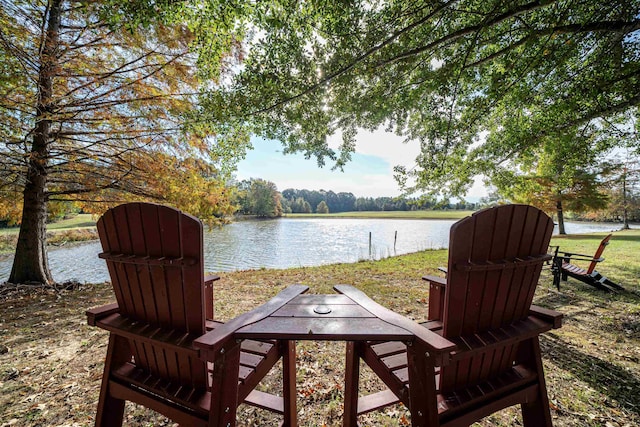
{"x":609,"y":379}
{"x":574,"y":292}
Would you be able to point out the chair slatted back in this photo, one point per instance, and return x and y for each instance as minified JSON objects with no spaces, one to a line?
{"x":495,"y":259}
{"x":598,"y":254}
{"x":154,"y":257}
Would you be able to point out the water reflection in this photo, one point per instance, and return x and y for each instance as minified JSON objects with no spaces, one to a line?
{"x":306,"y":242}
{"x":286,"y":243}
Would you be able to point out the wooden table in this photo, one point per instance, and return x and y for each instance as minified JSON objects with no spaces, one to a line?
{"x":350,"y":316}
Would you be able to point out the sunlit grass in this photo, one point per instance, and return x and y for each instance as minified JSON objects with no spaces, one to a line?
{"x":80,"y":228}
{"x":78,"y":221}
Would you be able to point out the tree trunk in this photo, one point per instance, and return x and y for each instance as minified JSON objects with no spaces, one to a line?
{"x":625,"y":203}
{"x":30,"y":262}
{"x":560,"y":217}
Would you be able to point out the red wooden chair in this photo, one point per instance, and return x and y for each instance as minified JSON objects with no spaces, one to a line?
{"x":484,"y":308}
{"x":563,"y":268}
{"x":164,"y":303}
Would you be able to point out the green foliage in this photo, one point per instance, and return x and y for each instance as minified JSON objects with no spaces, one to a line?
{"x":61,"y":210}
{"x":479,"y":84}
{"x":216,"y":28}
{"x":96,"y":108}
{"x":119,"y":113}
{"x":301,"y":201}
{"x":259,"y":197}
{"x":564,"y":172}
{"x":623,"y":189}
{"x":322,"y":208}
{"x":424,"y":214}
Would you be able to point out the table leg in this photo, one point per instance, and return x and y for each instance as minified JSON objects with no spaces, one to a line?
{"x":289,"y":384}
{"x":351,"y":377}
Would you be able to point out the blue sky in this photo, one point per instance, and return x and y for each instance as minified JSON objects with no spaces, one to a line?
{"x":369,"y":174}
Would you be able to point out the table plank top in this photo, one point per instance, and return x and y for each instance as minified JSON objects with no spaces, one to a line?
{"x":348,"y":316}
{"x":322,"y":311}
{"x":323,"y":317}
{"x":324,"y":328}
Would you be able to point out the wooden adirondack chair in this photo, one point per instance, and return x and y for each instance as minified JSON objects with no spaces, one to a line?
{"x":563,"y":267}
{"x":154,"y":257}
{"x":484,"y":308}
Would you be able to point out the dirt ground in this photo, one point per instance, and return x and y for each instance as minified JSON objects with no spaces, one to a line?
{"x":51,"y":361}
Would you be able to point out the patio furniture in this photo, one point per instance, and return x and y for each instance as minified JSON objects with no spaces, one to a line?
{"x":563,"y":267}
{"x":164,"y":305}
{"x":350,"y":316}
{"x":484,"y":308}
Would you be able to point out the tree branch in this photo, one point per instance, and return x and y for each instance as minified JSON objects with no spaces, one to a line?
{"x":356,"y":61}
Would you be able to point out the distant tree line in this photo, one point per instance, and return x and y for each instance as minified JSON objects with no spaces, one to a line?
{"x":261,"y":198}
{"x":308,"y":201}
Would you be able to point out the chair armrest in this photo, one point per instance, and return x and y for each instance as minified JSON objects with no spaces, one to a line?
{"x":437,"y":344}
{"x":97,"y":313}
{"x":211,"y":342}
{"x":580,"y":258}
{"x":437,"y":290}
{"x":551,"y":316}
{"x":575,"y":255}
{"x":210,"y":278}
{"x":208,"y":295}
{"x":436,"y":280}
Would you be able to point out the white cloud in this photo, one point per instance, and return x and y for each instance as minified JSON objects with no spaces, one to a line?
{"x":369,"y":174}
{"x":386,"y":145}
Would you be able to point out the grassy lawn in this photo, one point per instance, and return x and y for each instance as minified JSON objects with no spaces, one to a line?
{"x":50,"y":373}
{"x":77,"y":229}
{"x":78,"y":221}
{"x":388,"y":214}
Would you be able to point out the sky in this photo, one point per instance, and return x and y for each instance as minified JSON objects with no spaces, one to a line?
{"x":368,"y":174}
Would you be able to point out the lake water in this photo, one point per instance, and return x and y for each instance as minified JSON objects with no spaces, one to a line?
{"x":285,"y":243}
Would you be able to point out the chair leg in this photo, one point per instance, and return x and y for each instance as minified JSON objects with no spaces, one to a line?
{"x":422,"y":387}
{"x":224,"y":390}
{"x":111,"y":410}
{"x":556,"y":270}
{"x":556,"y":279}
{"x":436,"y":302}
{"x":208,"y":300}
{"x":537,"y":413}
{"x":594,"y":279}
{"x":605,"y":282}
{"x":609,"y":283}
{"x":289,"y":384}
{"x":351,"y":377}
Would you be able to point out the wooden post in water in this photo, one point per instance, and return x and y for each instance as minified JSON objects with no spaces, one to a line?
{"x":395,"y":239}
{"x":369,"y":245}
